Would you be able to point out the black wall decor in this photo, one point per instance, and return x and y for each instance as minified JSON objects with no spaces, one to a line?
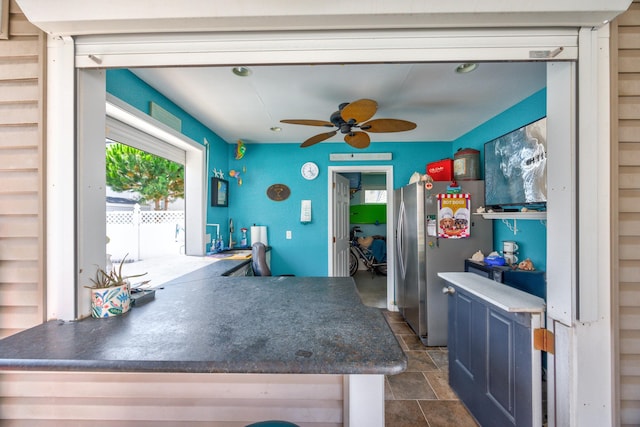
{"x":219,"y":192}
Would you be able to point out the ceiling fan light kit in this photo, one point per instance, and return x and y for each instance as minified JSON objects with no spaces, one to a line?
{"x":349,"y":118}
{"x":466,"y":68}
{"x":241,"y":71}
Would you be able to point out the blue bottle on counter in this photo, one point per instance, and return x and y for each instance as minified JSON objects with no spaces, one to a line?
{"x":219,"y":244}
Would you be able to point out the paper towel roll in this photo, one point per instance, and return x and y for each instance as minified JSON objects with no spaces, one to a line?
{"x":255,"y":234}
{"x":259,"y":234}
{"x":263,"y":235}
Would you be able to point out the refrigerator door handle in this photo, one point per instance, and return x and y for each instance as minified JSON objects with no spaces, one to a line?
{"x":400,"y":241}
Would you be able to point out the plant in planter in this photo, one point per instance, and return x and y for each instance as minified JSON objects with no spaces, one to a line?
{"x":111,"y":292}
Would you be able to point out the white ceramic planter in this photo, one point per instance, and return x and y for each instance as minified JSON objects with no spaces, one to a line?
{"x":108,"y":302}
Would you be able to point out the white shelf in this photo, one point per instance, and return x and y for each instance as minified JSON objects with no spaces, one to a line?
{"x":514,"y":215}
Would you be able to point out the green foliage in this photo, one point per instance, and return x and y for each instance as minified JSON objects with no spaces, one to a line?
{"x":154,"y":178}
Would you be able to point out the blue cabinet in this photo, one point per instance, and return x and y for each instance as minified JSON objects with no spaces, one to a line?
{"x":493,"y":366}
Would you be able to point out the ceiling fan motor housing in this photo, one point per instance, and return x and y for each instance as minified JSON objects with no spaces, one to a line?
{"x":338,"y":121}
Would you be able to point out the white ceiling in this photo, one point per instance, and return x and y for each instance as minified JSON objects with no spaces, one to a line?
{"x":443,"y":104}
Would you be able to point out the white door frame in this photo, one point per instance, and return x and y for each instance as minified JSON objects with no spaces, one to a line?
{"x":388,"y":171}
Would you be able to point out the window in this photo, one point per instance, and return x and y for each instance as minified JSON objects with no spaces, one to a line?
{"x":375,"y":196}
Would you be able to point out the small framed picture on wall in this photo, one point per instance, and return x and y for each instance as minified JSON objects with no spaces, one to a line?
{"x":219,"y":192}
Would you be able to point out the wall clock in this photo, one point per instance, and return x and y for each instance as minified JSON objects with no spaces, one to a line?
{"x":309,"y":171}
{"x":278,"y":192}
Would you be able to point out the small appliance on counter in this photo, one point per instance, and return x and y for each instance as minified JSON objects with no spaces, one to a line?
{"x":510,"y":251}
{"x":493,"y":272}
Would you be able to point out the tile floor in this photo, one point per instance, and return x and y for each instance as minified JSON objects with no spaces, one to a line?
{"x":421,"y":395}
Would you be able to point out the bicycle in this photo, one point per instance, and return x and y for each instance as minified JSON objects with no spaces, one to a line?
{"x":358,"y":253}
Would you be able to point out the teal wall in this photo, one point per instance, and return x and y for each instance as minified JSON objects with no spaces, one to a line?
{"x":531,"y":234}
{"x":267,"y":164}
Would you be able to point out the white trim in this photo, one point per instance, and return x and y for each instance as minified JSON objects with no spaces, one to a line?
{"x":592,"y":166}
{"x":90,"y":191}
{"x":188,"y":49}
{"x":388,"y":170}
{"x":363,"y":401}
{"x":60,"y":180}
{"x":594,"y":395}
{"x":561,"y":190}
{"x":118,"y":131}
{"x":358,"y":157}
{"x":143,"y":123}
{"x":73,"y":17}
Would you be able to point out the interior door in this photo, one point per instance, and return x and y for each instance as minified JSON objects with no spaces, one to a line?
{"x":340,"y":226}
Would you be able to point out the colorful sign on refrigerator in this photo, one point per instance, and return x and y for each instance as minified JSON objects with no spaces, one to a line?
{"x":454,"y":216}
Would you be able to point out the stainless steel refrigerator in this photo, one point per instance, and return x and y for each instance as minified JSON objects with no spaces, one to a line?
{"x":420,"y":254}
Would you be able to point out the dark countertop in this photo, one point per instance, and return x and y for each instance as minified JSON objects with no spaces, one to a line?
{"x":203,"y":323}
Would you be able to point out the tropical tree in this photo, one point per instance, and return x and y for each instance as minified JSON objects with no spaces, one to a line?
{"x":156,"y":179}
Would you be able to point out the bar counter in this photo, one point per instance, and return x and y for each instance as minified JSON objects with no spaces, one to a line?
{"x":206,"y":323}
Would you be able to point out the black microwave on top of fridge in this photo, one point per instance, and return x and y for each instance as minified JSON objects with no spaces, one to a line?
{"x":492,"y":272}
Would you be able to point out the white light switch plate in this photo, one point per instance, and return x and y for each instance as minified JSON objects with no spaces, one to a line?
{"x":288,"y":234}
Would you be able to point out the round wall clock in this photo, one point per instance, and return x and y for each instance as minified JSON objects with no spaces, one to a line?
{"x":278,"y":192}
{"x":309,"y":171}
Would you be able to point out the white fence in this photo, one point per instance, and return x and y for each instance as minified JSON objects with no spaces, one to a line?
{"x":144,"y":234}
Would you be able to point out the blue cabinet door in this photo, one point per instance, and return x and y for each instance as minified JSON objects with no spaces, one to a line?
{"x":490,"y":361}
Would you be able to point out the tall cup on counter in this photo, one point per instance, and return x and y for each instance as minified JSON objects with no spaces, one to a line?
{"x":509,"y":251}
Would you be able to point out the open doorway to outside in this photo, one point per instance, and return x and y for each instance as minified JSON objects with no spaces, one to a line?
{"x":164,"y":176}
{"x":145,"y":217}
{"x":374,"y":222}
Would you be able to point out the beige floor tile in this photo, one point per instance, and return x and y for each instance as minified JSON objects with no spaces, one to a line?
{"x":419,"y":361}
{"x":446,"y":413}
{"x":439,"y":381}
{"x":411,"y":385}
{"x":404,"y":413}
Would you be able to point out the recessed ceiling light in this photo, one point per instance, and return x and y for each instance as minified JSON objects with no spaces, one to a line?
{"x":466,"y":68}
{"x":241,"y":71}
{"x":276,"y":128}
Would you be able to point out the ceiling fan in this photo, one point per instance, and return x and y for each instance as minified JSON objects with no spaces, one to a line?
{"x":348,"y":119}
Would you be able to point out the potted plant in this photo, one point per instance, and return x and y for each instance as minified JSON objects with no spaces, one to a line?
{"x":111,"y":292}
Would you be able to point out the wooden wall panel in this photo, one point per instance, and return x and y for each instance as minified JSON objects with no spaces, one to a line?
{"x":22,"y":89}
{"x":626,"y":116}
{"x":162,"y":399}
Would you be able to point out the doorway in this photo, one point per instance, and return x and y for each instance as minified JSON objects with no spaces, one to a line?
{"x":333,"y":216}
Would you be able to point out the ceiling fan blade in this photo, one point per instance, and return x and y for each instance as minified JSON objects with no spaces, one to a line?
{"x":357,"y":139}
{"x":387,"y":125}
{"x":308,"y":122}
{"x":359,"y":111}
{"x":318,"y":138}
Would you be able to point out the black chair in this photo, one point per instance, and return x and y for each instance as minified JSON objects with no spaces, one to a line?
{"x":259,"y":260}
